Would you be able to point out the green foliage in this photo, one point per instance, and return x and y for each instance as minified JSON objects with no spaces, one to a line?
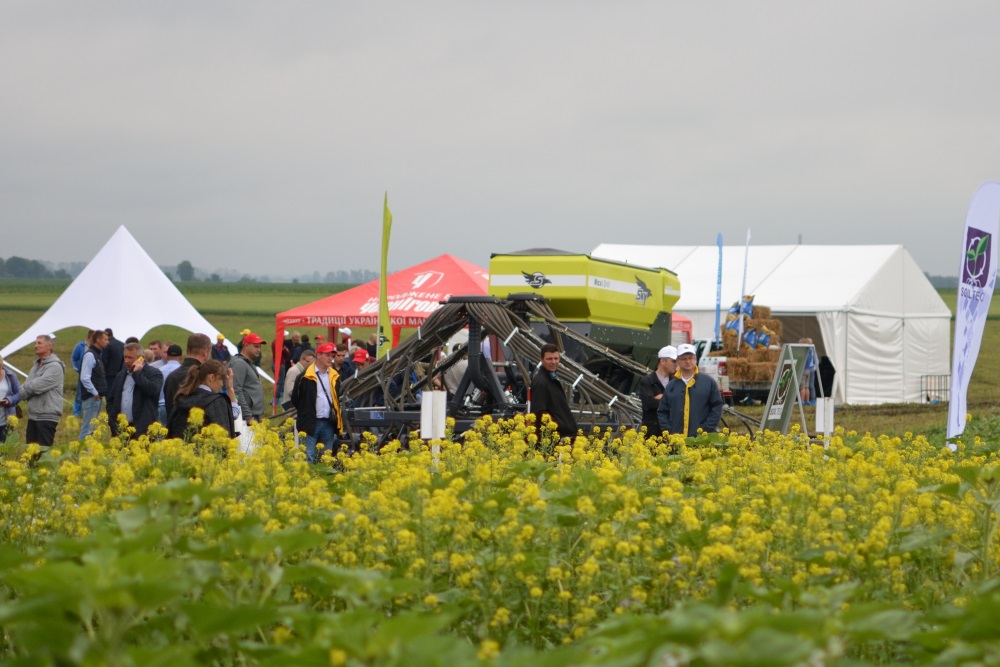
{"x":185,"y":271}
{"x":204,"y":556}
{"x":21,"y":269}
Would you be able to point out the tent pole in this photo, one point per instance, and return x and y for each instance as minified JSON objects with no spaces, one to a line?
{"x":279,"y":343}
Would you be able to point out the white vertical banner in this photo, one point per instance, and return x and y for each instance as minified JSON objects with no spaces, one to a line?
{"x":718,"y":293}
{"x":743,"y":293}
{"x":977,"y":278}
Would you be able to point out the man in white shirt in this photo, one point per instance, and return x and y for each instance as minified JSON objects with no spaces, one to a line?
{"x":317,"y":404}
{"x":170,"y":363}
{"x":306,"y":358}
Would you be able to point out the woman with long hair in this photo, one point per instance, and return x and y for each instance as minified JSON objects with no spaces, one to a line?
{"x":202,"y":388}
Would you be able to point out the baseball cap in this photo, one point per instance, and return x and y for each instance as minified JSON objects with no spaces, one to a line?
{"x":668,"y":352}
{"x":221,"y":337}
{"x":361,"y":355}
{"x":686,"y":348}
{"x":175,"y":351}
{"x":345,"y":330}
{"x":326,"y":348}
{"x":253,"y":339}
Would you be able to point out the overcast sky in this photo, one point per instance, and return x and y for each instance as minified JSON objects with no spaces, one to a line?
{"x":261,"y":136}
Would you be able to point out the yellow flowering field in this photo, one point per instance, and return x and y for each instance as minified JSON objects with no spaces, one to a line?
{"x":502,"y":547}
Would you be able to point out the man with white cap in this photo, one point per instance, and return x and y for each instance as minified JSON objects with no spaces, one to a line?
{"x":345,"y":336}
{"x":651,"y":389}
{"x":690,"y":402}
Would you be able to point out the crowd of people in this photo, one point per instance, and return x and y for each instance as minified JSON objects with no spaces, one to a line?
{"x":161,"y":383}
{"x":153,"y":383}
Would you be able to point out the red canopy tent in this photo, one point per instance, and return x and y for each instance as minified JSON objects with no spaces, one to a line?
{"x":413,"y":294}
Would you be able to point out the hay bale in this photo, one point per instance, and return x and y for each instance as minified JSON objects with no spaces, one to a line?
{"x":729,"y":343}
{"x":738,"y":369}
{"x":760,"y":372}
{"x":765,"y":356}
{"x":761,"y":312}
{"x":772,"y":324}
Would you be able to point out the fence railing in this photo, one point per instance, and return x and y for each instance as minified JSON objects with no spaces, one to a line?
{"x":935,"y":388}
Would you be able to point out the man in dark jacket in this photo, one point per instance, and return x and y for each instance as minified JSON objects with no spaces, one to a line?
{"x":136,"y":392}
{"x":548,"y":395}
{"x":315,"y":398}
{"x":690,"y":401}
{"x":651,"y":388}
{"x":93,"y":384}
{"x":113,"y":355}
{"x":219,"y":351}
{"x":199,"y":349}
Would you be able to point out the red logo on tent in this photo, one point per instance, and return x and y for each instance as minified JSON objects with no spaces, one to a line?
{"x":427,"y":279}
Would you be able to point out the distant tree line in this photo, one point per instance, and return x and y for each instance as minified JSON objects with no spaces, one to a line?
{"x":187,"y":272}
{"x":943,"y":282}
{"x":19,"y":267}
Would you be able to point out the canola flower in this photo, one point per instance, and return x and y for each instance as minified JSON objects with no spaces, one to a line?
{"x":539,"y":546}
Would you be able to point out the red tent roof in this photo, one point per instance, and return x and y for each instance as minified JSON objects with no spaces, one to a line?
{"x":413,"y":294}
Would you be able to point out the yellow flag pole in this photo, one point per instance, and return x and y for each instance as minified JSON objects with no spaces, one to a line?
{"x":385,"y":341}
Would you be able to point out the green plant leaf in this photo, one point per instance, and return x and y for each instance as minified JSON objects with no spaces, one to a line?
{"x":981,"y":247}
{"x":208,"y":621}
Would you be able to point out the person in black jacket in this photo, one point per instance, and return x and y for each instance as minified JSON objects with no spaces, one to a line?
{"x":202,"y":388}
{"x":199,"y":349}
{"x":548,"y":395}
{"x":651,"y":388}
{"x":135,"y":393}
{"x":92,"y":386}
{"x":112,"y":356}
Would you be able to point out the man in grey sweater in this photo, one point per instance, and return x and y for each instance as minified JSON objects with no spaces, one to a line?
{"x":246,"y":382}
{"x":44,"y":391}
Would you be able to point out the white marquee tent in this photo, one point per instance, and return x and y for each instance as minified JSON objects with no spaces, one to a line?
{"x":121,"y":288}
{"x":869,"y":308}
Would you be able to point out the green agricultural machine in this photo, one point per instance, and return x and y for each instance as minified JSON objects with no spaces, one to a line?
{"x":619,"y":307}
{"x":610,"y":319}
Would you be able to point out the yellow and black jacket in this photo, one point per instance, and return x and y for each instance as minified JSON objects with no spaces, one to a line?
{"x":304,"y":400}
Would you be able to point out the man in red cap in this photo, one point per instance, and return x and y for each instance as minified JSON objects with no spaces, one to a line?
{"x":315,"y":399}
{"x":361,"y":358}
{"x":246,"y":382}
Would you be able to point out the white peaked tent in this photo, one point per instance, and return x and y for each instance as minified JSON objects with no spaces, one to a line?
{"x":869,"y":308}
{"x":124,"y":289}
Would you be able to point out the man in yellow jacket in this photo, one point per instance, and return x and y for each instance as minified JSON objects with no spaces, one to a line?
{"x":315,"y":399}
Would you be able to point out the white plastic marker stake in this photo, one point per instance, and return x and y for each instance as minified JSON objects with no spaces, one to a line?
{"x":433,"y":418}
{"x":824,"y":419}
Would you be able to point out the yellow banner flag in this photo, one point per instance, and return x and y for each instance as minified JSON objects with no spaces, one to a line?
{"x":385,"y":341}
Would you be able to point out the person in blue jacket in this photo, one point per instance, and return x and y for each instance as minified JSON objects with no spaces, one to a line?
{"x":10,"y":396}
{"x":690,"y":401}
{"x":77,"y":362}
